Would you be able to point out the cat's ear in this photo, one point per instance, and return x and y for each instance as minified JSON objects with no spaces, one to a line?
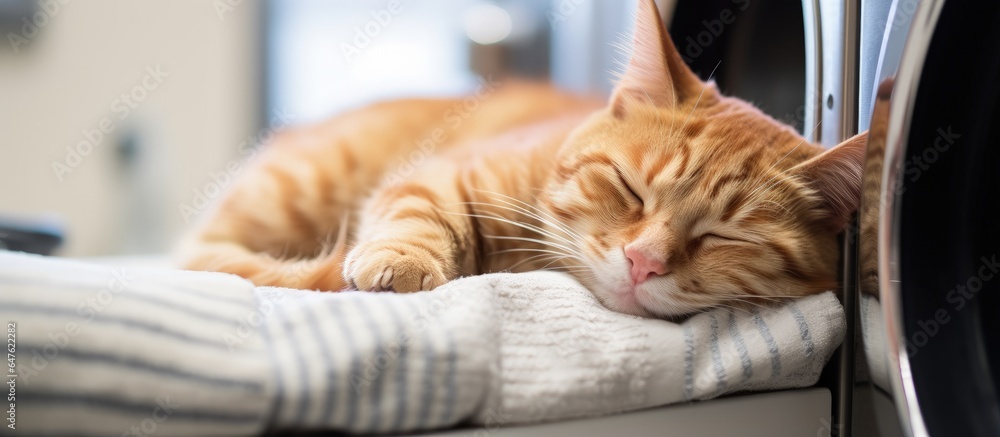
{"x":655,"y":72}
{"x":836,"y":177}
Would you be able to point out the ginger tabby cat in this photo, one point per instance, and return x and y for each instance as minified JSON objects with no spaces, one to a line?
{"x":667,"y":200}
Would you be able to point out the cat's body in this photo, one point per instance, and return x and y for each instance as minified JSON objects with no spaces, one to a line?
{"x":291,"y":203}
{"x":669,"y":199}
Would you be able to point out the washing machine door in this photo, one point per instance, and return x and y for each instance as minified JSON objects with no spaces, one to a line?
{"x":929,"y":242}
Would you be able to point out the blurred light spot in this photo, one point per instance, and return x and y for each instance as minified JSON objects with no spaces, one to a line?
{"x":487,"y":24}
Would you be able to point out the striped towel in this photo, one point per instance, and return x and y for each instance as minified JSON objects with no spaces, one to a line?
{"x":105,"y":351}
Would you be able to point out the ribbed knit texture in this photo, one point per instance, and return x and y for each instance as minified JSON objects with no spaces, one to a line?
{"x":563,"y":355}
{"x":104,"y":351}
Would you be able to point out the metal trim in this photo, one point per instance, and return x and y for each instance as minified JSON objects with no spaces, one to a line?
{"x":900,"y":113}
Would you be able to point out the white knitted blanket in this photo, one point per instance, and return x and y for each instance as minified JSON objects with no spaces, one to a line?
{"x":101,"y":351}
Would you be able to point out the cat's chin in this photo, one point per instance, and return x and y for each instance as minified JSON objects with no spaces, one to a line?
{"x":650,"y":300}
{"x":625,"y":300}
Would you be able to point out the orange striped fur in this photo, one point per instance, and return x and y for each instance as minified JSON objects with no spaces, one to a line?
{"x":740,"y":208}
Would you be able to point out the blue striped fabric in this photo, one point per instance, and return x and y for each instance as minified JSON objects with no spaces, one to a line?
{"x":106,"y":351}
{"x":235,"y":360}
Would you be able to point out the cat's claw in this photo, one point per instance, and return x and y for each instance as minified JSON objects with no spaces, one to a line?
{"x":392,"y":266}
{"x":386,"y":279}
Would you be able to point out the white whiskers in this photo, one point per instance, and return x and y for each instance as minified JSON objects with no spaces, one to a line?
{"x":555,"y":242}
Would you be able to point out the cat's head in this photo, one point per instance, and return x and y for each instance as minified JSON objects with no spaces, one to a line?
{"x":677,"y":199}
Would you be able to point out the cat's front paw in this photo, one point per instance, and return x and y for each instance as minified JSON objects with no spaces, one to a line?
{"x":393,"y":266}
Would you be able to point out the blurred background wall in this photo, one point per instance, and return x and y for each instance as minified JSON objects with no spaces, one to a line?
{"x":182,"y":89}
{"x":78,"y":60}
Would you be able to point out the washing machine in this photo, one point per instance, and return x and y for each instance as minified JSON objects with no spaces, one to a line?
{"x":928,"y":234}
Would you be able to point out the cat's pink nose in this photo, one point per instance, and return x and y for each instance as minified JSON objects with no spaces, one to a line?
{"x":644,"y":265}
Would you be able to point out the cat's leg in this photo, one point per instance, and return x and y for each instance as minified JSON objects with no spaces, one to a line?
{"x":278,"y":223}
{"x":314,"y":273}
{"x":282,"y":223}
{"x":414,"y":235}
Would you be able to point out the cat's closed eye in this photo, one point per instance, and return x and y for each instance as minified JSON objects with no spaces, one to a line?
{"x":621,"y":178}
{"x":721,"y":237}
{"x":699,"y":242}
